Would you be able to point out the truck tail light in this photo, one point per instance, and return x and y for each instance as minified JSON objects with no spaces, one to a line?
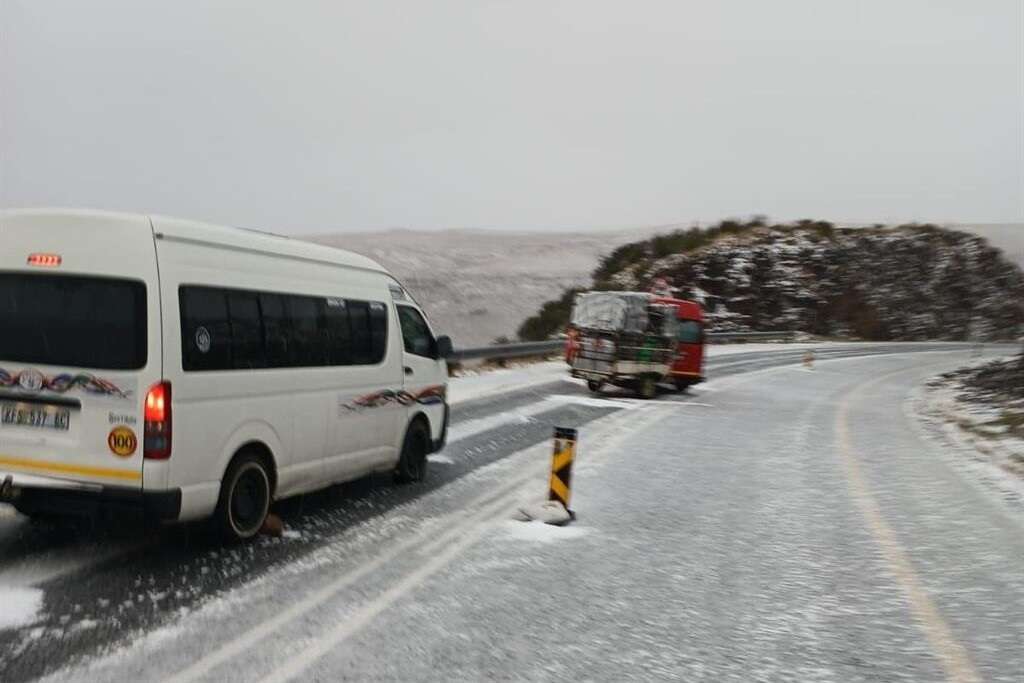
{"x":156,"y":443}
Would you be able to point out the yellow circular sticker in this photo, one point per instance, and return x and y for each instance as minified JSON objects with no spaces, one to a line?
{"x":122,"y":441}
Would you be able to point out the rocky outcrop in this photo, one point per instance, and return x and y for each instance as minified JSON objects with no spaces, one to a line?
{"x":909,"y":282}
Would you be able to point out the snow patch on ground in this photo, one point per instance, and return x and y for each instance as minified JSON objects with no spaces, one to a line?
{"x":976,"y":424}
{"x":989,"y":462}
{"x":501,"y":380}
{"x":440,"y":459}
{"x":539,"y":532}
{"x":527,"y":413}
{"x":20,"y":606}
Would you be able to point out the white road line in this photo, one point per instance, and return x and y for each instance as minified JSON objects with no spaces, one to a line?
{"x":252,"y":637}
{"x":458,"y":536}
{"x":951,"y":653}
{"x":454,"y":543}
{"x":441,"y":552}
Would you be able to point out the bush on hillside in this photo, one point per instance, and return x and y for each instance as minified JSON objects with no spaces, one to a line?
{"x":906,"y":282}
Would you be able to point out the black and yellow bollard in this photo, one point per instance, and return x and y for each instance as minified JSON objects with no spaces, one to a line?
{"x":559,"y":488}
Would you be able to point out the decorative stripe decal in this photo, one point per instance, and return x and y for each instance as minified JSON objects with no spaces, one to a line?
{"x":431,"y":395}
{"x":33,"y":381}
{"x":67,"y":468}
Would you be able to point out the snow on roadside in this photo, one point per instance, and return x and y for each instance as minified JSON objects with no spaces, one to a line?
{"x":982,"y":424}
{"x":985,"y":455}
{"x":501,"y":380}
{"x":540,"y":532}
{"x":20,"y":606}
{"x":527,"y":413}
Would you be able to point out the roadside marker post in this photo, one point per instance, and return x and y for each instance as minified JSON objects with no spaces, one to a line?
{"x":559,"y":487}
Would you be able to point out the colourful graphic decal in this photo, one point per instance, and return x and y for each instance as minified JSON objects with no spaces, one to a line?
{"x":431,"y":395}
{"x":33,"y":380}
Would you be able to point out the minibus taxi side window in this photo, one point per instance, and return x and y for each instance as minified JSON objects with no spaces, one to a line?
{"x":362,"y":341}
{"x":246,"y":331}
{"x":415,"y":333}
{"x":308,"y":338}
{"x":339,"y":335}
{"x":205,"y":331}
{"x":378,"y":330}
{"x":276,"y":330}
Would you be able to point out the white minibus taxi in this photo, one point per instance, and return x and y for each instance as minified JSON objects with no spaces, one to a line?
{"x":189,"y":371}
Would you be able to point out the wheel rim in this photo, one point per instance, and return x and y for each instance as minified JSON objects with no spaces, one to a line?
{"x":249,"y":500}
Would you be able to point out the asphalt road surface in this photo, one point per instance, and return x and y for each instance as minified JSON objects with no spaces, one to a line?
{"x":774,"y":524}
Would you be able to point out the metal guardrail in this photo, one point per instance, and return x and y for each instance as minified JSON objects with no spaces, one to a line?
{"x":542,"y":348}
{"x":502,"y":351}
{"x":743,"y":336}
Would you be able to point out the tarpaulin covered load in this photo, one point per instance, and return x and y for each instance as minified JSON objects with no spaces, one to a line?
{"x":630,"y":312}
{"x":612,"y":311}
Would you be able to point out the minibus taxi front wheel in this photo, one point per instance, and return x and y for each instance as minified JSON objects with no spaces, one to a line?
{"x":412,"y":464}
{"x":245,"y":494}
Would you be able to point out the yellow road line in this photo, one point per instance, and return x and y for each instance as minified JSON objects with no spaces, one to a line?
{"x":68,"y":468}
{"x":951,"y":653}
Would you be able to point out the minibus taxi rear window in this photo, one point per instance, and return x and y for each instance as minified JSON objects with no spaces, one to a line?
{"x":69,"y":320}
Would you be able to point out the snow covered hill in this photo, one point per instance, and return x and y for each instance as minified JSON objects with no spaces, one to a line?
{"x":907,"y":283}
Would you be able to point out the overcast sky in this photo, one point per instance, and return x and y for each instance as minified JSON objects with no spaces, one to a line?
{"x":329,"y":116}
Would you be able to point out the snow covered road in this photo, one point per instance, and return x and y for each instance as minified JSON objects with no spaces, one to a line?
{"x":776,"y":523}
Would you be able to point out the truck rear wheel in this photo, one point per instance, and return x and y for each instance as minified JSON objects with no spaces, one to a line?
{"x":594,"y":385}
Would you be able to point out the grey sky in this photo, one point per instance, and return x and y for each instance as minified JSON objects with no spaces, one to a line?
{"x":320,"y":117}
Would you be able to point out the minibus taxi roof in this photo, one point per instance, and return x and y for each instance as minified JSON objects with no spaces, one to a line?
{"x":199,"y":233}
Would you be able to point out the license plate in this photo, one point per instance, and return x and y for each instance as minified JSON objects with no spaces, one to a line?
{"x":32,"y":415}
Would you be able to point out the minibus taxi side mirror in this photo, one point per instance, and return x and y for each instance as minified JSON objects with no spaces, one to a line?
{"x":444,"y":346}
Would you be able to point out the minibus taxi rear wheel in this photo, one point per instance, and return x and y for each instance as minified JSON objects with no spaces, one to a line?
{"x":412,"y":464}
{"x":244,"y":497}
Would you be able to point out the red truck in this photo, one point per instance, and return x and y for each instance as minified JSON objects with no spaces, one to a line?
{"x":635,"y":340}
{"x":688,"y":368}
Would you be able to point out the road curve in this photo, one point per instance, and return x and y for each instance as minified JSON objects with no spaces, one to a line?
{"x":760,"y":430}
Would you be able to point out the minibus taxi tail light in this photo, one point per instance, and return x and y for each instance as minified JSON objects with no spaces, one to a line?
{"x":156,"y":444}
